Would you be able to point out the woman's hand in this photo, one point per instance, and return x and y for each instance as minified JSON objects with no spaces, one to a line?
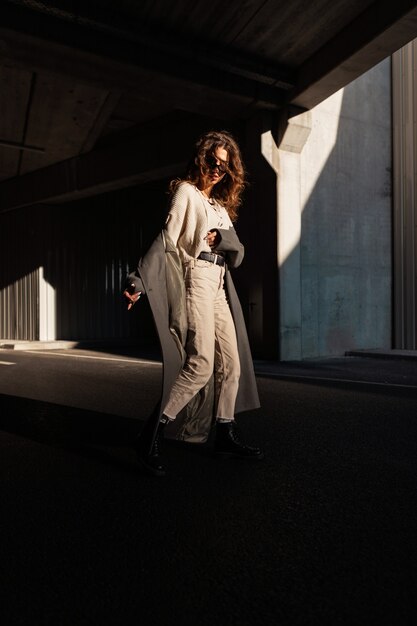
{"x":213,"y":238}
{"x":131,"y":298}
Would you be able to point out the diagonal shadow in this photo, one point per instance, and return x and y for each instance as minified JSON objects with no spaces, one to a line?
{"x":90,"y":434}
{"x":102,"y":437}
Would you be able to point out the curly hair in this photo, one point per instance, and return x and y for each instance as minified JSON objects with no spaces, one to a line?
{"x":228,"y":191}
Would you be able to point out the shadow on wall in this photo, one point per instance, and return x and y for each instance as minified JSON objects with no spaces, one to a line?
{"x":343,"y":259}
{"x":86,"y":249}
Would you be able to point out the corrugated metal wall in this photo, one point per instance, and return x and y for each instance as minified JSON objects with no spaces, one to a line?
{"x":404,"y":92}
{"x":19,"y":278}
{"x":19,"y":312}
{"x":86,"y":249}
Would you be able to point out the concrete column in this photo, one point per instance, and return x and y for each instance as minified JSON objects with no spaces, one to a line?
{"x":257,"y":281}
{"x":271,"y":226}
{"x":285,"y":159}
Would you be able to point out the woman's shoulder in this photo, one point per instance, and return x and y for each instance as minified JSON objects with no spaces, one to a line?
{"x":182,"y":195}
{"x":184,"y":188}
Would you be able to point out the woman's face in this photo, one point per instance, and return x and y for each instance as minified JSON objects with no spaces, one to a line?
{"x":216,"y":165}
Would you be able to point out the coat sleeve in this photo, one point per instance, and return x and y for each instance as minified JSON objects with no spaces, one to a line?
{"x":231,"y":246}
{"x":179,"y":213}
{"x":133,"y":283}
{"x":175,"y":223}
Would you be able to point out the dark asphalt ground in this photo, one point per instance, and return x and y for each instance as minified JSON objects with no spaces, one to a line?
{"x":322,"y":532}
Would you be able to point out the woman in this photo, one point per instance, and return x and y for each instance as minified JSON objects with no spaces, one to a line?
{"x":213,"y":377}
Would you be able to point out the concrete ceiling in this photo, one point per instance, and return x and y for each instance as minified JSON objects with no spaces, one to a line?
{"x":74,"y":73}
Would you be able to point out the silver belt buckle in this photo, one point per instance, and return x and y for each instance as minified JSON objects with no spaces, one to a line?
{"x":216,"y":256}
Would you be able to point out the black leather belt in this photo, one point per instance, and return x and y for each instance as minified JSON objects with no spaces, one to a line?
{"x":217,"y":259}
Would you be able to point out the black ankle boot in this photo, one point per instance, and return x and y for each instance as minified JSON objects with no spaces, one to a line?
{"x":147,"y":446}
{"x":226,"y":443}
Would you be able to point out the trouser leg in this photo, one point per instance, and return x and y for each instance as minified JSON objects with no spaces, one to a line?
{"x":211,"y":343}
{"x":201,"y":288}
{"x":227,"y":363}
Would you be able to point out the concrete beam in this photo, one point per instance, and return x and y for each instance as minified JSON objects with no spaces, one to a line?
{"x":294,"y":129}
{"x":65,"y":118}
{"x":149,"y":155}
{"x":192,"y":79}
{"x":377,"y":33}
{"x":12,"y":118}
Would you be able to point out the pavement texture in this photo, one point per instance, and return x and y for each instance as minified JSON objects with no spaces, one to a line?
{"x":323,"y":531}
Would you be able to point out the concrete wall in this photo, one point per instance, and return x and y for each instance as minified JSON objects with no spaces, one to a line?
{"x":346,"y":220}
{"x":344,"y":253}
